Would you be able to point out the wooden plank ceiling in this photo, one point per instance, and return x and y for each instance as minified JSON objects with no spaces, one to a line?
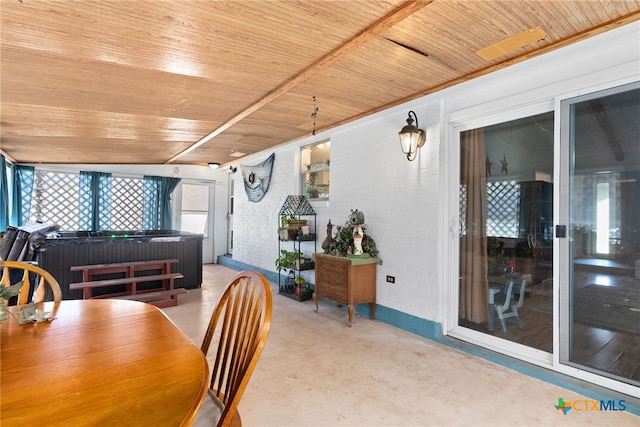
{"x":188,"y":82}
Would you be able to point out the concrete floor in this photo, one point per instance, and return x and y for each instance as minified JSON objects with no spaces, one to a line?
{"x":316,"y":371}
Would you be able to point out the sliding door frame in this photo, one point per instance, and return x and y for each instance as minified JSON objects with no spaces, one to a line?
{"x":456,"y":124}
{"x":480,"y":116}
{"x":562,"y":297}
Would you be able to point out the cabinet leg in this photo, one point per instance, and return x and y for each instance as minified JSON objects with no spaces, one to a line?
{"x":350,"y":311}
{"x":315,"y":299}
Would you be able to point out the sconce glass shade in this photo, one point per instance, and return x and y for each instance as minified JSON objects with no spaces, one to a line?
{"x":411,"y":137}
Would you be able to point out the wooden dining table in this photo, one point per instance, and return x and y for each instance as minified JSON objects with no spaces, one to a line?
{"x":100,"y":362}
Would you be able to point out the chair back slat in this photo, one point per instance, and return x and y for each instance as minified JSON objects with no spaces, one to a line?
{"x":241,"y":321}
{"x":44,"y":279}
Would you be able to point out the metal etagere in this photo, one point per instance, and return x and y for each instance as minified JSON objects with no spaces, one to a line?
{"x":299,"y":208}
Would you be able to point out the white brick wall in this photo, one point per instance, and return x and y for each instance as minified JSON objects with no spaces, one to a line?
{"x":368,"y":173}
{"x":401,"y":199}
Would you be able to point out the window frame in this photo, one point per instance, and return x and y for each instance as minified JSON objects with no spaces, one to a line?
{"x":314,"y":165}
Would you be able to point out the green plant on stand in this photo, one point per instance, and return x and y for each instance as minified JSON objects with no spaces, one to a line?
{"x":287,"y":259}
{"x":284,"y":225}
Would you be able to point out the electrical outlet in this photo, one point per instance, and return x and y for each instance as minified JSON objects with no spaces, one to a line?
{"x":391,"y":279}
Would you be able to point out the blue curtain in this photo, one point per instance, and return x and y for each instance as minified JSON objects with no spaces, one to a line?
{"x":95,"y":201}
{"x":18,"y":196}
{"x":156,"y":213}
{"x":21,"y":190}
{"x":4,"y":195}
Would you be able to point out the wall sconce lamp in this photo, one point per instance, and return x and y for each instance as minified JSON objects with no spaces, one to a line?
{"x":214,"y":165}
{"x":232,"y":169}
{"x":411,"y":137}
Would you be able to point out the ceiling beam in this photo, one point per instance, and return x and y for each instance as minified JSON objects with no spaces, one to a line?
{"x":405,"y":10}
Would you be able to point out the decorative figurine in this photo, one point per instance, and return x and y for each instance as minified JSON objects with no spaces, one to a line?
{"x":327,"y":241}
{"x":356,"y":217}
{"x":357,"y":240}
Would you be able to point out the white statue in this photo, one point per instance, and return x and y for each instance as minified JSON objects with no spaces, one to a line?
{"x":357,"y":240}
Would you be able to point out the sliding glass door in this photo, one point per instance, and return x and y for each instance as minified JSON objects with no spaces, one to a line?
{"x":506,"y":216}
{"x":548,"y":243}
{"x":600,"y":306}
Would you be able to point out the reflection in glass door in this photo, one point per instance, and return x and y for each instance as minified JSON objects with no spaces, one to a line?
{"x":600,"y":307}
{"x":506,"y":212}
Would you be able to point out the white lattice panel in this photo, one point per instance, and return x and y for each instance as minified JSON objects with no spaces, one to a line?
{"x":126,"y":204}
{"x":55,"y":200}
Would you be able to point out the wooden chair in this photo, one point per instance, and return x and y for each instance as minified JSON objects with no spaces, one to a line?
{"x":241,"y":323}
{"x":45,"y":278}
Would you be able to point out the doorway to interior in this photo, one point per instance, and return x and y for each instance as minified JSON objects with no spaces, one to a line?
{"x":196,"y":207}
{"x":559,"y":291}
{"x":506,"y":247}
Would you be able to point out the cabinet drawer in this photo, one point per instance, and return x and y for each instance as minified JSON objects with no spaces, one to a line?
{"x":334,"y":266}
{"x":335,"y":292}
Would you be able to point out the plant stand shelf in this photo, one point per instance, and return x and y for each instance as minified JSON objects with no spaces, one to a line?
{"x":305,"y":294}
{"x":296,"y":209}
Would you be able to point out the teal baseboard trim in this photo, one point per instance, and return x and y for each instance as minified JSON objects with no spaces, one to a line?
{"x":422,"y":327}
{"x":433,"y":331}
{"x":239,"y":266}
{"x":271,"y":276}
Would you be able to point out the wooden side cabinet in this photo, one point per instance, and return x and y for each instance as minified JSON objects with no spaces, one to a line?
{"x":347,"y":281}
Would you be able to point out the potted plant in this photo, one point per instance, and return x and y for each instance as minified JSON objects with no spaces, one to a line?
{"x":299,"y":282}
{"x":293,"y":226}
{"x":284,"y":225}
{"x":287,"y":259}
{"x":343,"y":243}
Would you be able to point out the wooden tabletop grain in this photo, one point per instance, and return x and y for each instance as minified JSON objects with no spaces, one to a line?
{"x":100,"y":362}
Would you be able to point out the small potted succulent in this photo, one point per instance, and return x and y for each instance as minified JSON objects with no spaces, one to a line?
{"x":299,"y":283}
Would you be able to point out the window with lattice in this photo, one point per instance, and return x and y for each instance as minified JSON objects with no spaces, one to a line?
{"x":503,"y":208}
{"x":126,"y":203}
{"x":56,"y":200}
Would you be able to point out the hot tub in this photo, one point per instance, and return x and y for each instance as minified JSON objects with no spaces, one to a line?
{"x":64,"y":249}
